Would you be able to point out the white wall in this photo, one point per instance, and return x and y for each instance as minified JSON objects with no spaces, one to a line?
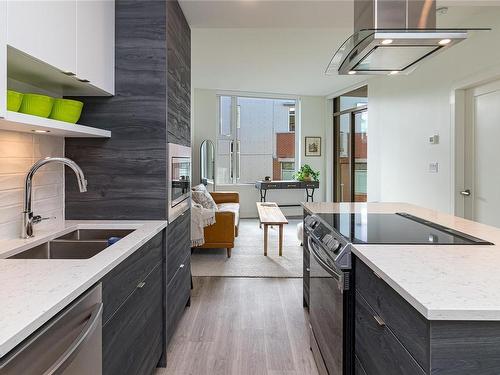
{"x":405,"y":110}
{"x":18,"y":152}
{"x":312,"y":122}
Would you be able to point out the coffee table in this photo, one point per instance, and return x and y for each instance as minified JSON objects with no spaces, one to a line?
{"x":270,"y":214}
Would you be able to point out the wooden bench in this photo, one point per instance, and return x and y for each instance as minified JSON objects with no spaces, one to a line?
{"x":270,"y":214}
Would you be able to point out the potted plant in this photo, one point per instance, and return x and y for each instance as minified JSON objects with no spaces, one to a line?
{"x":306,"y":173}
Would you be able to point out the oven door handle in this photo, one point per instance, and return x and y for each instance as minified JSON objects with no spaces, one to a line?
{"x":312,"y":247}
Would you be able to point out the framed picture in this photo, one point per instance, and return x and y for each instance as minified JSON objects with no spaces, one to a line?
{"x":313,"y":146}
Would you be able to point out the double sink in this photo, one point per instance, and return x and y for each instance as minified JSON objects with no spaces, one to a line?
{"x":79,"y":244}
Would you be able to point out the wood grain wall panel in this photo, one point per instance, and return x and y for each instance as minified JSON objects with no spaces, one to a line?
{"x":179,"y":75}
{"x":127,"y":173}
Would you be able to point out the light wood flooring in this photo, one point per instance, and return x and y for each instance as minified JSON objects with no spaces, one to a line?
{"x":242,"y":326}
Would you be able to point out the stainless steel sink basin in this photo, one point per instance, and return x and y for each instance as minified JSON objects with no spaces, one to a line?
{"x":62,"y":249}
{"x":95,"y":234}
{"x":79,"y":244}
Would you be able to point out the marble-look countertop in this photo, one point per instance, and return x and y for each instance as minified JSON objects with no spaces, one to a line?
{"x":32,"y":291}
{"x":442,"y":282}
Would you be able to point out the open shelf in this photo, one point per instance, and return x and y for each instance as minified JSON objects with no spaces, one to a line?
{"x":21,"y":122}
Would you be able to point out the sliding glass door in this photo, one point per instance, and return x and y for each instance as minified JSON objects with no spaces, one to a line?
{"x":350,"y":122}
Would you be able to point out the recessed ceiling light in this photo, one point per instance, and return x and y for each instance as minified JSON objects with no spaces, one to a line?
{"x":444,"y":42}
{"x":352,"y":72}
{"x":41,"y":131}
{"x":387,"y":41}
{"x":394,"y":72}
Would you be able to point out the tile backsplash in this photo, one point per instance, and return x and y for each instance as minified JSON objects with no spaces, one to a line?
{"x":18,"y":152}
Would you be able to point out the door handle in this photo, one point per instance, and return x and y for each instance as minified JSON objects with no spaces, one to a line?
{"x":466,"y":193}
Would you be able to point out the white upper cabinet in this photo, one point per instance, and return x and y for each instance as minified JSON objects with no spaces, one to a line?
{"x":45,"y":30}
{"x":96,"y":43}
{"x":75,"y":38}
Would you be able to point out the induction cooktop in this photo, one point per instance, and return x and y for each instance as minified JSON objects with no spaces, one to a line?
{"x":398,"y":228}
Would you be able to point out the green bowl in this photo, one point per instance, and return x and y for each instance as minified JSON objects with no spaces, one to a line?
{"x":36,"y":105}
{"x":66,"y":110}
{"x":14,"y":100}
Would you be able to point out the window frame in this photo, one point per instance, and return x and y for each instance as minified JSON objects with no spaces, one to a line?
{"x":234,"y":130}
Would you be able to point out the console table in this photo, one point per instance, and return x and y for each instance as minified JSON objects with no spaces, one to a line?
{"x":308,"y":186}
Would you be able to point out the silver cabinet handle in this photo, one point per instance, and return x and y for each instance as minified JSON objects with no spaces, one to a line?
{"x":181,"y":266}
{"x":308,"y":269}
{"x":466,"y":193}
{"x":379,"y":320}
{"x":76,"y":345}
{"x":141,"y":284}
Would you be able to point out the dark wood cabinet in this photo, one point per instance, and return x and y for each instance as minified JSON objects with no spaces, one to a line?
{"x":178,"y":275}
{"x":134,"y":323}
{"x":392,"y":338}
{"x":178,"y":296}
{"x":122,"y":281}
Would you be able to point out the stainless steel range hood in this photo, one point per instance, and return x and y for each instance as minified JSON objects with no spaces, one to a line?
{"x":392,"y":37}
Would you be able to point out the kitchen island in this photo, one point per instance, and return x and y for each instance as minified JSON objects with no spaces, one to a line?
{"x":427,"y":308}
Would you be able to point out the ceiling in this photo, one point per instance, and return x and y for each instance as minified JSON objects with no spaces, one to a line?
{"x":280,"y":46}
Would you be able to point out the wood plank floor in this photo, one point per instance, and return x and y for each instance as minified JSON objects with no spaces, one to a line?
{"x":242,"y":326}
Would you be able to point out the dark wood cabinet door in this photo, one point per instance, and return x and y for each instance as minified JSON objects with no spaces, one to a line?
{"x":407,"y":324}
{"x":133,"y":337}
{"x":178,"y":294}
{"x":122,"y":281}
{"x":178,"y":76}
{"x":178,"y":244}
{"x":378,"y":350}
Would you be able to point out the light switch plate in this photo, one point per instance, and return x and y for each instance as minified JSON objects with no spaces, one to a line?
{"x":434,"y":139}
{"x":434,"y":167}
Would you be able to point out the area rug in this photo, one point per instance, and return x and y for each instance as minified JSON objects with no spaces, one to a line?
{"x":247,"y":258}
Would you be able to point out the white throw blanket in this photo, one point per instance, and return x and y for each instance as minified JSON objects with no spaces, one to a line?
{"x":200,"y":218}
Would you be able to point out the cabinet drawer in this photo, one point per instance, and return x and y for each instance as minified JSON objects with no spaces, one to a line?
{"x":132,"y":338}
{"x":378,"y":350}
{"x":123,"y":279}
{"x":178,"y":293}
{"x":409,"y":326}
{"x":178,"y":243}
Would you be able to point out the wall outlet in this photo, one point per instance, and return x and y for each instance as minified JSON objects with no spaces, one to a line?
{"x":434,"y":139}
{"x":434,"y":167}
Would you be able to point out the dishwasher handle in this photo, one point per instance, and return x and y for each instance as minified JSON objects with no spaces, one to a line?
{"x":66,"y":358}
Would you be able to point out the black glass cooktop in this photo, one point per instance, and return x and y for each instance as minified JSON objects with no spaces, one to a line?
{"x":397,"y":228}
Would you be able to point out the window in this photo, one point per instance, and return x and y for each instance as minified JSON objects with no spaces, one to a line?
{"x":287,"y":170}
{"x":256,"y":139}
{"x":291,"y":119}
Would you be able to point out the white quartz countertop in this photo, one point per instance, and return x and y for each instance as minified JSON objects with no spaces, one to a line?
{"x":442,"y":282}
{"x":32,"y":291}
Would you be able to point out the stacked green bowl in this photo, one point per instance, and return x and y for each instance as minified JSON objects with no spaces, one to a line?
{"x":14,"y":100}
{"x":37,"y":105}
{"x":66,"y":110}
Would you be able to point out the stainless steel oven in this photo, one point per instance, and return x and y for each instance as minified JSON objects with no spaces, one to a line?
{"x":330,"y":304}
{"x":179,"y":180}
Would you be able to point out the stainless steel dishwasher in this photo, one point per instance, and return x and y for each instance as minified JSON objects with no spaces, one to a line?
{"x":69,"y":344}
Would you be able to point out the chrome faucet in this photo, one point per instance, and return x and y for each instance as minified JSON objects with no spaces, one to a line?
{"x":28,"y":219}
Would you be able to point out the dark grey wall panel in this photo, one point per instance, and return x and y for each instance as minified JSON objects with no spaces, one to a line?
{"x":127,"y":173}
{"x":179,"y":75}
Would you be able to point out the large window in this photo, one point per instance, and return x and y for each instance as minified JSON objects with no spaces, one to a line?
{"x":256,"y":139}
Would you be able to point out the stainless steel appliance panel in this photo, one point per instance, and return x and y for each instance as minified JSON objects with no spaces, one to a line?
{"x":179,"y":180}
{"x":69,"y":344}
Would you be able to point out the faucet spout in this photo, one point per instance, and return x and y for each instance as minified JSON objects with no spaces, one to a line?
{"x":28,"y":219}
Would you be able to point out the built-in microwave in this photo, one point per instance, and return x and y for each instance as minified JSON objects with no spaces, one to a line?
{"x":179,"y":181}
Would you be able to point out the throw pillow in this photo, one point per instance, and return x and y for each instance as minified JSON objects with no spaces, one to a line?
{"x":199,"y":187}
{"x":204,"y":199}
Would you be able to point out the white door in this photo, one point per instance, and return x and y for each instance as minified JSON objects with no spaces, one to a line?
{"x":96,"y":43}
{"x":45,"y":30}
{"x":482,"y":146}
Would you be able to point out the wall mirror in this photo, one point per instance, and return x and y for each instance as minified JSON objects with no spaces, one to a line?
{"x":207,"y":162}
